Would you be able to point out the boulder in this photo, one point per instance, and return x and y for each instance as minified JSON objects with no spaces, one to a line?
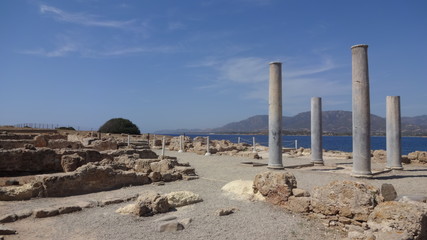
{"x":40,"y":141}
{"x":399,"y":219}
{"x":147,"y":204}
{"x":349,"y":199}
{"x":70,"y":163}
{"x":388,"y":192}
{"x":276,"y":187}
{"x":182,"y":198}
{"x":242,"y":189}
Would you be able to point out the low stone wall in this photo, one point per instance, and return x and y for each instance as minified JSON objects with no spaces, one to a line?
{"x":101,"y":176}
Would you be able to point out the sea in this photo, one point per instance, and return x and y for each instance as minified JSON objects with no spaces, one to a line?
{"x":339,"y":143}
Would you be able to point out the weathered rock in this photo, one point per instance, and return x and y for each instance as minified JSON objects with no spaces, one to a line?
{"x":170,"y":227}
{"x":163,"y":165}
{"x":25,"y":160}
{"x":15,"y":216}
{"x":69,"y":209}
{"x":47,"y":212}
{"x":182,"y":198}
{"x":40,"y":141}
{"x":143,"y":165}
{"x":388,"y":192}
{"x":242,"y":190}
{"x":298,"y":204}
{"x":147,"y":204}
{"x":185,"y":222}
{"x":349,"y":199}
{"x":298,"y":192}
{"x":70,"y":163}
{"x":6,"y":231}
{"x":102,"y":145}
{"x":225,"y":211}
{"x":276,"y":187}
{"x":24,"y":192}
{"x":155,"y":176}
{"x":398,"y":218}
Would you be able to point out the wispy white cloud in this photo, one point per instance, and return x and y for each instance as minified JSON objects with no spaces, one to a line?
{"x":58,"y":52}
{"x":137,"y":50}
{"x":244,"y":70}
{"x":83,"y":19}
{"x":176,"y":26}
{"x":300,"y":83}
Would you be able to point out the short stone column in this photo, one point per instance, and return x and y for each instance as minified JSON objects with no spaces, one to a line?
{"x":163,"y":147}
{"x":275,"y":116}
{"x":316,"y":131}
{"x":181,"y":144}
{"x":361,"y":112}
{"x":393,"y":133}
{"x":208,"y":153}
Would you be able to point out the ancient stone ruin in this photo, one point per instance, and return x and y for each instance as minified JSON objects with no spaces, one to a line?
{"x":364,"y":211}
{"x":57,"y":165}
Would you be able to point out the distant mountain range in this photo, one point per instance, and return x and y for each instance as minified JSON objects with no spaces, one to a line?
{"x":334,"y":123}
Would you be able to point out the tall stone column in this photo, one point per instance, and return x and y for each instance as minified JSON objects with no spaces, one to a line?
{"x":275,"y":116}
{"x":393,"y":132}
{"x":361,"y":112}
{"x":316,"y":131}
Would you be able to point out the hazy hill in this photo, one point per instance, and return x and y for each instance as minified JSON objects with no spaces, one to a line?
{"x":334,"y":122}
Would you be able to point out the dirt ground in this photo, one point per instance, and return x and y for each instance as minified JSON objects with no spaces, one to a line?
{"x":252,"y":220}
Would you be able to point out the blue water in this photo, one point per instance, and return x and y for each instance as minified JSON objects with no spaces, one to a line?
{"x":340,"y":143}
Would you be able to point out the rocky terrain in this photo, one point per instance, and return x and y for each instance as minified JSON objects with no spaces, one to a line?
{"x":134,"y":189}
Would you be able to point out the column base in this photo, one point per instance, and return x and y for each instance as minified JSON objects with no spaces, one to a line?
{"x":318,"y":162}
{"x":362,"y":174}
{"x":394,"y":168}
{"x":275,"y":166}
{"x":207,"y":154}
{"x":180,"y":151}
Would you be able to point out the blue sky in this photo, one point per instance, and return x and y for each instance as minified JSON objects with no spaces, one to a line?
{"x":201,"y":64}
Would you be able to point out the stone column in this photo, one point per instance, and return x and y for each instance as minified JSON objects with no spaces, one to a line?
{"x":275,"y":116}
{"x":163,"y":147}
{"x":208,"y":153}
{"x":361,"y":112}
{"x":394,"y":159}
{"x":181,"y":144}
{"x":316,"y":131}
{"x":253,"y":145}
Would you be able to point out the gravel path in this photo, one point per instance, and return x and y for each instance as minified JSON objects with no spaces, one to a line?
{"x":253,"y":220}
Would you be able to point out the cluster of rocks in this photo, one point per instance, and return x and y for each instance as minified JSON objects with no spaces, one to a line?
{"x":151,"y":203}
{"x":100,"y":176}
{"x":361,"y":209}
{"x":198,"y":145}
{"x":71,"y":171}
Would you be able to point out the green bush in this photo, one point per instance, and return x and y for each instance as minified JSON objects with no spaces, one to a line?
{"x":66,"y":128}
{"x":119,"y":125}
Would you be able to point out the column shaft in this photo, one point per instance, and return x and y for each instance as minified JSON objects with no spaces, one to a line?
{"x":361,"y":112}
{"x":393,"y":132}
{"x":316,"y":131}
{"x":275,"y":116}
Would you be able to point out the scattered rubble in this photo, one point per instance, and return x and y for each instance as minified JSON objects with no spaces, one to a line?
{"x":361,"y":209}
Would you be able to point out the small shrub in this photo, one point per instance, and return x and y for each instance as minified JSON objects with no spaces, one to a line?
{"x":119,"y":125}
{"x":66,"y":128}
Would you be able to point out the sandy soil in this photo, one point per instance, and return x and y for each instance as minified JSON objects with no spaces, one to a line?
{"x":253,"y":220}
